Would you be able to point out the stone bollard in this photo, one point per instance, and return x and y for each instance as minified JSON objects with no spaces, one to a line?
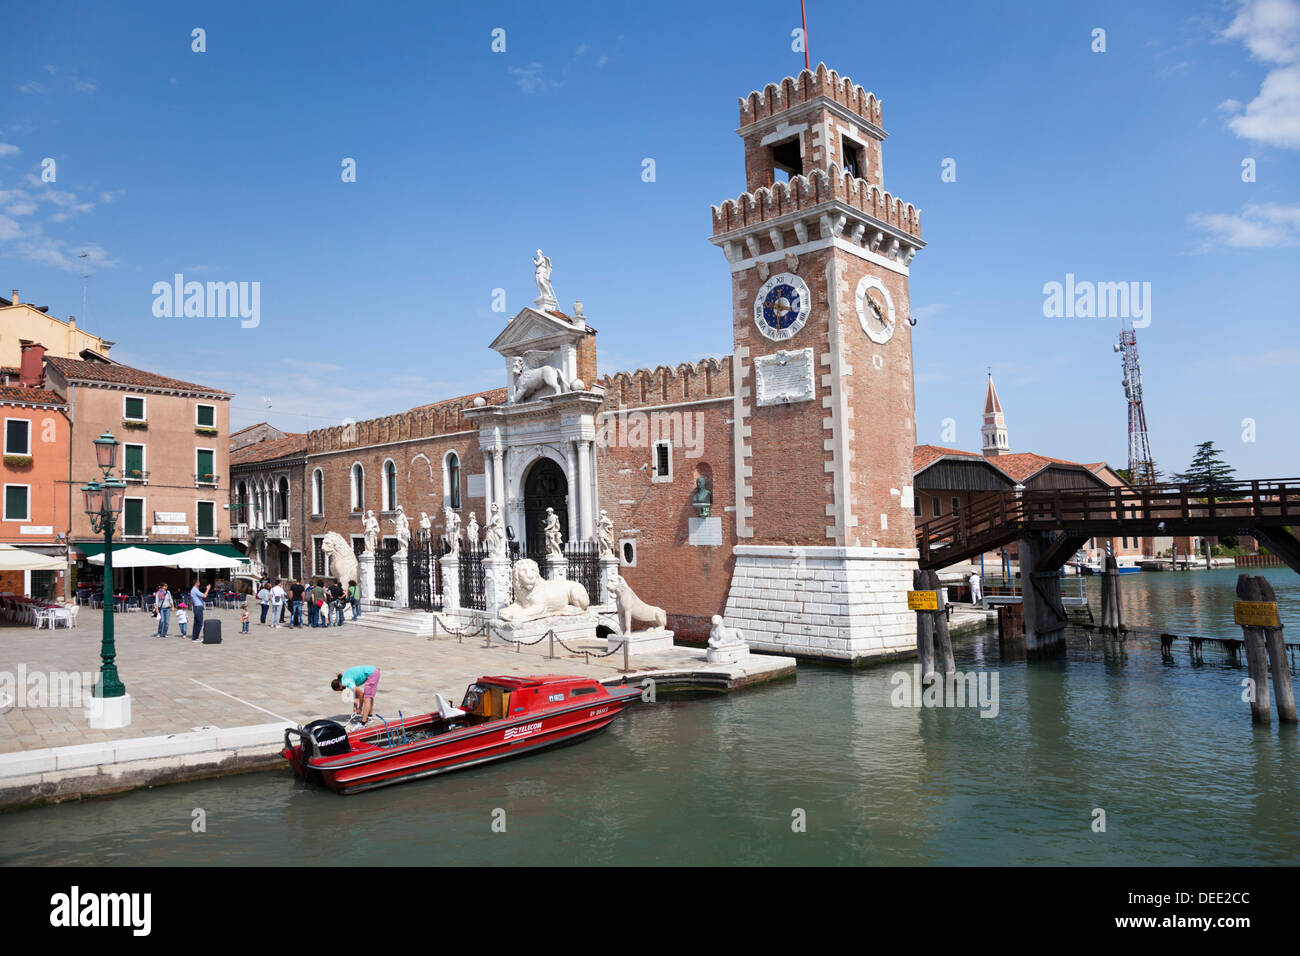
{"x":366,"y":562}
{"x":450,"y":565}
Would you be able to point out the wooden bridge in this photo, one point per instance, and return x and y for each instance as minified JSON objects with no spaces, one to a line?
{"x":1063,"y":520}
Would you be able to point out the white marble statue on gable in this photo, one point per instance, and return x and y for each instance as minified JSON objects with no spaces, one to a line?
{"x":542,"y":274}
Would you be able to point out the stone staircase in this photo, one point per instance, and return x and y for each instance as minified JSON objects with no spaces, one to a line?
{"x":403,"y":620}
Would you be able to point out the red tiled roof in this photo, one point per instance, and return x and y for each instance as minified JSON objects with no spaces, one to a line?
{"x":78,"y":370}
{"x":19,"y":393}
{"x":292,"y":443}
{"x":925,"y":455}
{"x":246,"y":428}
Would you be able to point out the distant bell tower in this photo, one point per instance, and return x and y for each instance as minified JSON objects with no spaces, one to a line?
{"x":824,"y":413}
{"x":994,"y":430}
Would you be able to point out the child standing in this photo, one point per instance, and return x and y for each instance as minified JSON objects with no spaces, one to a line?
{"x":243,"y":618}
{"x":183,"y":617}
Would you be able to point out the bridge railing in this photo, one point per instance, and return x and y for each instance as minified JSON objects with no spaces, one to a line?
{"x":1113,"y":510}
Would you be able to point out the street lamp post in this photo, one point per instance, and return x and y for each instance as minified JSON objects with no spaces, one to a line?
{"x":112,"y":707}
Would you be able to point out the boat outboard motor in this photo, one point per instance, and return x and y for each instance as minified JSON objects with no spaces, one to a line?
{"x":324,"y":738}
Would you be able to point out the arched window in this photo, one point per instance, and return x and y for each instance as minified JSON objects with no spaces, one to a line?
{"x":390,"y":486}
{"x":358,"y":487}
{"x":317,"y":492}
{"x":241,"y":503}
{"x":282,"y":499}
{"x":451,"y":475}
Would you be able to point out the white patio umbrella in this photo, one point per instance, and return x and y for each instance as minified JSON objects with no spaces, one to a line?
{"x":16,"y":559}
{"x":198,"y":558}
{"x":136,"y":558}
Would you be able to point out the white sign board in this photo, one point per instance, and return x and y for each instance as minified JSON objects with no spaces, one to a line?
{"x":36,"y":529}
{"x":169,"y":517}
{"x":170,"y":529}
{"x":785,"y":377}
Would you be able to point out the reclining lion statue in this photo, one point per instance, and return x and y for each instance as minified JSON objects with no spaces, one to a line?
{"x":536,"y":597}
{"x":532,"y":377}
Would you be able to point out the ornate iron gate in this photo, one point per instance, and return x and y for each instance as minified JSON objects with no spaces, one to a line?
{"x":473,"y":590}
{"x":583,"y":558}
{"x":425,"y":576}
{"x":384,"y":570}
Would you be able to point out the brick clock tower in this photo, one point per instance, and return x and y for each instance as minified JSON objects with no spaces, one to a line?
{"x":824,"y":416}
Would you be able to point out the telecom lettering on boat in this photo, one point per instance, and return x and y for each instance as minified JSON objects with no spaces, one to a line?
{"x":523,"y":731}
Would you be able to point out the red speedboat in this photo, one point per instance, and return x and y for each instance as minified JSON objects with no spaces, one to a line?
{"x":499,"y":717}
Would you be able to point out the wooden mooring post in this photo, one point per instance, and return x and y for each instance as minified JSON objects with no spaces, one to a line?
{"x":924,"y":626}
{"x":1112,"y":606}
{"x":1261,"y":631}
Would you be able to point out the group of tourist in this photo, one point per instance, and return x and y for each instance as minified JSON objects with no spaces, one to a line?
{"x":325,"y":603}
{"x":165,"y":604}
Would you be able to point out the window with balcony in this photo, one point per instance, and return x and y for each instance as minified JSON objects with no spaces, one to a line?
{"x":205,"y":419}
{"x":18,"y":437}
{"x":133,"y":463}
{"x":205,"y":466}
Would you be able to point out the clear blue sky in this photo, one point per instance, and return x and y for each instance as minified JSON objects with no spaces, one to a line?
{"x":376,"y":295}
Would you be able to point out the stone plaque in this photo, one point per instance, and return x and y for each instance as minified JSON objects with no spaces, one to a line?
{"x":704,"y":532}
{"x":785,"y":377}
{"x":169,"y":517}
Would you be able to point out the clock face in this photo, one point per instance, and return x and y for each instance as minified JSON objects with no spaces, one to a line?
{"x":782,"y":306}
{"x":875,"y":310}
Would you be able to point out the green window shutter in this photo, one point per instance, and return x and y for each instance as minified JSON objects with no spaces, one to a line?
{"x":134,"y":460}
{"x":204,"y":467}
{"x":133,"y":516}
{"x":207,"y":416}
{"x":16,"y":503}
{"x":205,"y":511}
{"x":135,"y":408}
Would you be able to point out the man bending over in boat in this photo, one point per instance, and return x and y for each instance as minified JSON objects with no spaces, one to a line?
{"x":363,"y":681}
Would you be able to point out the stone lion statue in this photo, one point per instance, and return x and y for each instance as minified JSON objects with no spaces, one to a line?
{"x":632,"y":610}
{"x":343,"y":561}
{"x":536,"y":597}
{"x":531,"y":376}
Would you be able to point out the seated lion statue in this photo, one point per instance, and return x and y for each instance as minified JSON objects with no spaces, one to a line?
{"x":536,"y":597}
{"x":343,"y":560}
{"x":531,"y":379}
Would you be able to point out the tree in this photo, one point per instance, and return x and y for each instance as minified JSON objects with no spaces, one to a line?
{"x":1208,"y":471}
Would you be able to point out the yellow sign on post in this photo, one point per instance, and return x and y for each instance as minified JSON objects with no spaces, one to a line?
{"x":1256,"y":613}
{"x":923,"y":600}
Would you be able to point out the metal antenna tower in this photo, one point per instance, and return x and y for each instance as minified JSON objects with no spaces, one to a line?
{"x":1141,"y":467}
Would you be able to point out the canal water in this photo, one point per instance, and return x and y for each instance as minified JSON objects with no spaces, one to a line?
{"x":818,"y":770}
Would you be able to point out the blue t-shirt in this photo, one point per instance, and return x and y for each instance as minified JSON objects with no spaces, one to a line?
{"x":196,"y":596}
{"x":355,"y":677}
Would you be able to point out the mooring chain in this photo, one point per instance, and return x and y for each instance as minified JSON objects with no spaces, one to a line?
{"x":460,"y":632}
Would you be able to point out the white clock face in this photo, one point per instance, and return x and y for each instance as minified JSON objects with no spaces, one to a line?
{"x":875,"y":310}
{"x":782,"y":306}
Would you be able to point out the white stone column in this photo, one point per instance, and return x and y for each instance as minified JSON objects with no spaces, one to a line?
{"x":367,"y":565}
{"x":450,"y":567}
{"x":556,"y":567}
{"x":400,"y":581}
{"x":496,"y":585}
{"x":499,"y":476}
{"x":608,"y":575}
{"x":575,"y":486}
{"x":585,"y":522}
{"x":489,"y":483}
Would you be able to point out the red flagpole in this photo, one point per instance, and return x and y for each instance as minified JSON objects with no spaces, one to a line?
{"x":803,"y":15}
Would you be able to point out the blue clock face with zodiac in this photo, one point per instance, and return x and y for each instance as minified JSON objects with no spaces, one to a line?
{"x":782,"y":306}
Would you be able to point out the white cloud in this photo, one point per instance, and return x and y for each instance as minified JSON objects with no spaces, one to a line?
{"x":8,"y":149}
{"x":1257,"y":226}
{"x":1270,"y":29}
{"x":529,"y":78}
{"x":32,"y":87}
{"x":84,"y":86}
{"x":23,"y":208}
{"x":9,"y":229}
